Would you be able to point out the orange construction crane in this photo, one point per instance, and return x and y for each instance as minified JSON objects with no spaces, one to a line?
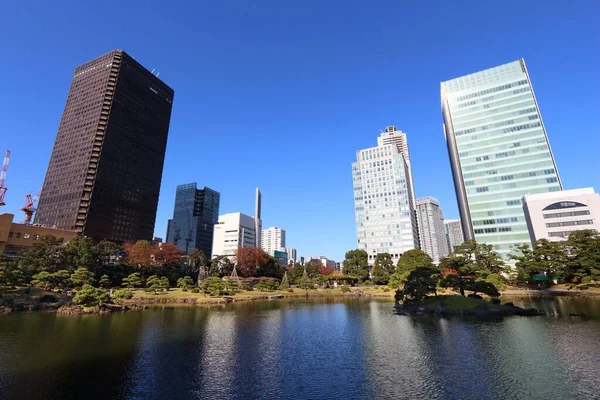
{"x":3,"y":188}
{"x":29,"y":208}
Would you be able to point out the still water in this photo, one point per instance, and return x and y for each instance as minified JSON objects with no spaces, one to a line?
{"x":321,"y":349}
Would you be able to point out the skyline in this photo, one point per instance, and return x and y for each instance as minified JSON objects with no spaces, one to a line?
{"x":310,"y":186}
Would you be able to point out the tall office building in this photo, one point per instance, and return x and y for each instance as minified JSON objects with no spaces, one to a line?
{"x":104,"y":175}
{"x":397,"y":138}
{"x":232,"y":231}
{"x":273,"y":239}
{"x":498,"y":150}
{"x":257,"y":218}
{"x":454,"y":233}
{"x":291,"y":252}
{"x":383,"y":202}
{"x":195,"y":214}
{"x":432,"y":234}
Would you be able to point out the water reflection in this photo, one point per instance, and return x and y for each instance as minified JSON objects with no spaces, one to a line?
{"x":318,"y":349}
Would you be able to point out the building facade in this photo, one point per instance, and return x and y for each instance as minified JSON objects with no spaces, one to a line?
{"x":498,"y":150}
{"x":432,"y":234}
{"x":292,"y":254}
{"x":273,"y":239}
{"x":555,"y":215}
{"x":454,"y":233}
{"x":396,"y":137}
{"x":232,"y":231}
{"x":16,"y":237}
{"x":195,"y":214}
{"x":104,"y":175}
{"x":383,"y":202}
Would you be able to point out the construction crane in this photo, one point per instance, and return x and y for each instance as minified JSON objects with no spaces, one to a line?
{"x":29,"y":208}
{"x":3,"y":188}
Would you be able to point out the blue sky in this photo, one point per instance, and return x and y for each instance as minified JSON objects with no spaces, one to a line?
{"x":281,"y":94}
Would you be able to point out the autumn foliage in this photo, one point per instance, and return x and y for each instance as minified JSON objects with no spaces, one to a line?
{"x":143,"y":253}
{"x":249,"y":259}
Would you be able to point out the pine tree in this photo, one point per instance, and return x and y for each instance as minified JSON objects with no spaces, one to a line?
{"x":285,"y":284}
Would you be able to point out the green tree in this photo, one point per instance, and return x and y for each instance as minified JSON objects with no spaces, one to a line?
{"x":285,"y":284}
{"x":61,"y":278}
{"x":312,"y":269}
{"x":220,"y":266}
{"x":42,"y":280}
{"x":90,"y":296}
{"x":296,"y":273}
{"x":198,"y":264}
{"x":266,"y":285}
{"x":81,"y":276}
{"x":134,"y":280}
{"x":212,"y":286}
{"x":155,"y":283}
{"x":383,"y":268}
{"x":413,"y":259}
{"x":584,"y":248}
{"x":545,"y":258}
{"x":356,"y":263}
{"x":419,"y":284}
{"x":306,"y":282}
{"x":105,"y":281}
{"x":44,"y":255}
{"x":271,"y":268}
{"x":185,"y":283}
{"x":481,"y":286}
{"x":80,"y":251}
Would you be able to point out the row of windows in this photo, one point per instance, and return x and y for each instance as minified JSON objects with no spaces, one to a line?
{"x":18,"y":235}
{"x":493,"y":230}
{"x":560,"y":234}
{"x":492,"y":90}
{"x":569,"y":223}
{"x":495,"y":221}
{"x":567,"y":214}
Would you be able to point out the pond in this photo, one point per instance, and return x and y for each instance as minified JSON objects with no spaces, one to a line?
{"x":309,"y":349}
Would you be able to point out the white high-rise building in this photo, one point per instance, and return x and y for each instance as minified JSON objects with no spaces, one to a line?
{"x":232,"y":231}
{"x":292,"y":254}
{"x":454,"y":233}
{"x":383,"y":200}
{"x":554,"y":216}
{"x":498,"y":150}
{"x":273,"y":239}
{"x":398,"y":139}
{"x":432,"y":234}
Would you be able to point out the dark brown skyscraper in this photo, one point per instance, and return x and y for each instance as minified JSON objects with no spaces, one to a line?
{"x":104,"y":174}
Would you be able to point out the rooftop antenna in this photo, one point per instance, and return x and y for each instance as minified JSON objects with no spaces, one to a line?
{"x":152,"y":71}
{"x":157,"y":74}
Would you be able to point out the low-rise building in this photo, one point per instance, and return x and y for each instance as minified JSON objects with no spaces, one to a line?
{"x":555,"y":215}
{"x":16,"y":237}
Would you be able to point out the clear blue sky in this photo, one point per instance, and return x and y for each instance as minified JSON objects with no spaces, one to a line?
{"x":280,"y":94}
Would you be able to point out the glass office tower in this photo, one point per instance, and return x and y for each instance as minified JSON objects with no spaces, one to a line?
{"x":498,"y":150}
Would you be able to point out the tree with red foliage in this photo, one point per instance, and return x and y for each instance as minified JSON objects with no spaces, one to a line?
{"x":326,"y":270}
{"x":139,"y":254}
{"x":249,"y":259}
{"x":168,"y":253}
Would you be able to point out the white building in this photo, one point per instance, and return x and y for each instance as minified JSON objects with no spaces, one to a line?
{"x":397,"y":138}
{"x":273,"y":239}
{"x":432,"y":234}
{"x":292,"y":254}
{"x":383,"y":201}
{"x":498,"y":150}
{"x":232,"y":231}
{"x":454,"y":233}
{"x":555,"y":215}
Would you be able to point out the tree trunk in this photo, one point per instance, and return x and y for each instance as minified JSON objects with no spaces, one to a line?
{"x":462,"y":291}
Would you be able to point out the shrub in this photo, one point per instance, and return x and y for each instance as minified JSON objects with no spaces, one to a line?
{"x":185,"y":282}
{"x":122,"y":294}
{"x":90,"y":296}
{"x":212,"y":286}
{"x":290,"y":290}
{"x":155,"y":283}
{"x":133,"y":280}
{"x":266,"y":285}
{"x":587,"y":279}
{"x":82,"y":276}
{"x":495,"y":279}
{"x":346,"y":289}
{"x":105,"y":281}
{"x":195,"y":290}
{"x":495,"y":300}
{"x":387,"y":289}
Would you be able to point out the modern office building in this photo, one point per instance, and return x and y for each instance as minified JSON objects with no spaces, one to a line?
{"x":454,"y":233}
{"x":432,"y":234}
{"x":383,"y":202}
{"x":555,"y":215}
{"x":498,"y":150}
{"x":195,"y":214}
{"x":396,"y":137}
{"x":292,"y":254}
{"x":257,"y":218}
{"x":232,"y":231}
{"x":104,"y":175}
{"x":273,"y":239}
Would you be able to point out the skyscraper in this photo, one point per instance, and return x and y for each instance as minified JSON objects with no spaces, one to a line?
{"x":396,"y":137}
{"x":273,"y":239}
{"x":454,"y":233}
{"x":432,"y":234}
{"x":383,"y":201}
{"x":257,"y":218}
{"x":498,"y":150}
{"x":104,"y":175}
{"x":195,"y":214}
